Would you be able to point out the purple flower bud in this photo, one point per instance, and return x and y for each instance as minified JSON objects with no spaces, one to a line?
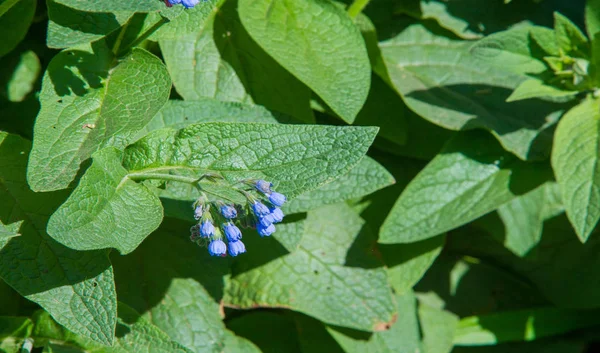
{"x":236,"y":248}
{"x":198,"y":212}
{"x":207,"y":229}
{"x":276,"y":215}
{"x":265,"y":231}
{"x":263,"y":186}
{"x":277,"y":199}
{"x":232,"y":232}
{"x":260,"y":210}
{"x":217,"y":248}
{"x":228,"y":211}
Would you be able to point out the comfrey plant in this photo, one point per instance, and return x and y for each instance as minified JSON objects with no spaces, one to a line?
{"x":261,"y":211}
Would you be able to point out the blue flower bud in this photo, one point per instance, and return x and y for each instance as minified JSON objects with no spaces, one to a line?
{"x":174,"y":2}
{"x":265,"y":221}
{"x":277,"y":199}
{"x":276,"y":215}
{"x":265,"y":231}
{"x":236,"y":248}
{"x":207,"y":229}
{"x":188,"y":4}
{"x":260,"y":210}
{"x":232,"y":232}
{"x":228,"y":212}
{"x":198,"y":212}
{"x":217,"y":248}
{"x":263,"y":186}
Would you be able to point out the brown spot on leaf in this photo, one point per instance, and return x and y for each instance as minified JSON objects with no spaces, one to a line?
{"x":384,"y":326}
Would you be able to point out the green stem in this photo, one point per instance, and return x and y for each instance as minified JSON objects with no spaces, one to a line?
{"x":7,"y":6}
{"x":357,"y":7}
{"x":117,"y":45}
{"x":159,"y":176}
{"x":148,"y":32}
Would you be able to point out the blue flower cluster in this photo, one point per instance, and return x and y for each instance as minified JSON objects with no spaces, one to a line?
{"x":188,"y":4}
{"x":261,"y":211}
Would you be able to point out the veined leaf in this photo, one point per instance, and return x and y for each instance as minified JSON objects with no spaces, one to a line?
{"x":68,"y":27}
{"x":114,"y":5}
{"x":108,"y":209}
{"x":575,"y":158}
{"x":468,"y":179}
{"x":76,"y":288}
{"x":315,"y":278}
{"x":87,"y":104}
{"x":15,"y":20}
{"x":457,"y":88}
{"x":210,"y":54}
{"x":317,"y":42}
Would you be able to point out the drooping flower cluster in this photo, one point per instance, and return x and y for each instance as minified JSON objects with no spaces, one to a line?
{"x":188,"y":4}
{"x":261,"y":211}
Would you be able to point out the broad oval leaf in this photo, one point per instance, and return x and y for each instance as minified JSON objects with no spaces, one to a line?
{"x":115,"y":5}
{"x":575,"y":160}
{"x":108,"y":209}
{"x":210,"y":55}
{"x":15,"y":18}
{"x":468,"y":179}
{"x":457,"y":88}
{"x":318,"y":43}
{"x":76,"y":288}
{"x":87,"y":104}
{"x":316,"y":278}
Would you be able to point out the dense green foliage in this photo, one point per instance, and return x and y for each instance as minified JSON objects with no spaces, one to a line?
{"x":440,"y":159}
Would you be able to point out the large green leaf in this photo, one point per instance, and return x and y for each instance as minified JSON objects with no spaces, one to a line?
{"x":366,"y":177}
{"x":438,"y":327}
{"x":317,"y":42}
{"x":88,"y":104}
{"x":15,"y":18}
{"x":76,"y":288}
{"x":209,"y":54}
{"x":316,"y":278}
{"x":108,"y":209}
{"x":457,"y":88}
{"x":469,"y":178}
{"x":177,"y":288}
{"x":575,"y":162}
{"x":524,"y":217}
{"x":23,"y":78}
{"x":68,"y":27}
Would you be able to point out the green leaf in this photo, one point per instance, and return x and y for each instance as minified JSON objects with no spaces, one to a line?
{"x":76,"y":288}
{"x":592,"y":18}
{"x":7,"y":232}
{"x":524,"y":217}
{"x":11,"y":326}
{"x":537,"y":89}
{"x":524,"y":325}
{"x":210,"y":54}
{"x":68,"y":27}
{"x":366,"y":177}
{"x":15,"y":18}
{"x":267,"y":151}
{"x":458,"y":89}
{"x":106,"y":210}
{"x":178,"y":288}
{"x":570,"y":38}
{"x":24,"y":77}
{"x":134,"y":334}
{"x":318,"y":43}
{"x":407,"y":263}
{"x":115,"y":5}
{"x":438,"y":327}
{"x":575,"y":162}
{"x":469,"y":178}
{"x":316,"y":278}
{"x":179,"y":114}
{"x":87,"y":104}
{"x":402,"y":337}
